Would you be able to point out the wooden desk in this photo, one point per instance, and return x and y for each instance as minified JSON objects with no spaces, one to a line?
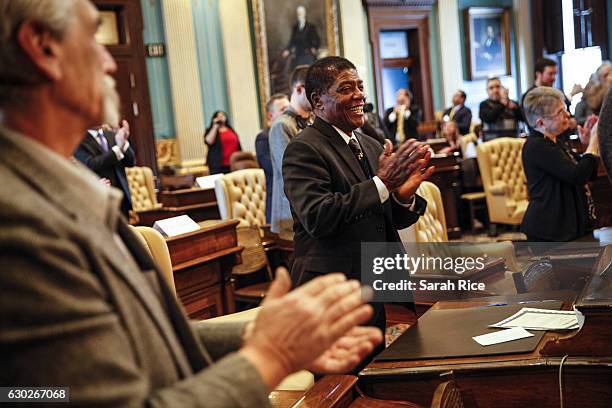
{"x":202,"y":262}
{"x":447,"y":176}
{"x":200,"y":204}
{"x":513,"y":380}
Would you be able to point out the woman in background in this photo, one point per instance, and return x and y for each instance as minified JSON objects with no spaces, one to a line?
{"x":560,"y":204}
{"x":222,"y":141}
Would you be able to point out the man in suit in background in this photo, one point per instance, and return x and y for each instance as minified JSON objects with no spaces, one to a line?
{"x":461,"y":114}
{"x":107,"y":153}
{"x":403,"y":119}
{"x":344,"y":189}
{"x":295,"y":118}
{"x":499,"y":114}
{"x":82,"y":304}
{"x":274,"y":108}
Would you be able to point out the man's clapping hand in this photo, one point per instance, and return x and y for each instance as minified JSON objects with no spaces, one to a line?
{"x":313,"y":326}
{"x":403,"y":171}
{"x":123,"y":134}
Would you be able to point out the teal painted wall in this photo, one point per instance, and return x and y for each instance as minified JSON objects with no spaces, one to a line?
{"x":434,"y":59}
{"x":157,"y":72}
{"x":211,"y":65}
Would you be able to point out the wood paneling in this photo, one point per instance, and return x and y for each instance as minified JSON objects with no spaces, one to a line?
{"x":404,"y":18}
{"x":131,"y":77}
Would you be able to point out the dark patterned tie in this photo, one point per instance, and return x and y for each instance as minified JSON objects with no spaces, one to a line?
{"x":356,"y":149}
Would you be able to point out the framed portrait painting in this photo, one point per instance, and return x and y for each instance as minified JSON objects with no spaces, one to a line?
{"x":289,"y":33}
{"x":488,"y":42}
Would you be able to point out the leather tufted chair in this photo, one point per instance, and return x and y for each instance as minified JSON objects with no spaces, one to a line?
{"x":156,"y":244}
{"x":503,"y":178}
{"x":142,"y":188}
{"x":431,"y":226}
{"x":241,"y":195}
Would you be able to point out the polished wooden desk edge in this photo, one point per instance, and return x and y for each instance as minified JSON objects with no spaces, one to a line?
{"x":497,"y":365}
{"x":186,"y":190}
{"x":221,"y":225}
{"x":330,"y":391}
{"x":207,"y":258}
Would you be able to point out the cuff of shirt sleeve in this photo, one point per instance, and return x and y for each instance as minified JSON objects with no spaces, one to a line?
{"x":409,"y":205}
{"x":118,"y":152}
{"x":383,"y":192}
{"x":126,"y":146}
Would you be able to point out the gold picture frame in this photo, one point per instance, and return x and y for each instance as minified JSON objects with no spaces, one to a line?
{"x":273,"y":69}
{"x":488,"y":34}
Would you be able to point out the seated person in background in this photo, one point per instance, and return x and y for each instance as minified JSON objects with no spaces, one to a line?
{"x":274,"y":108}
{"x":107,"y":153}
{"x":560,"y":203}
{"x":403,"y":119}
{"x":373,"y":126}
{"x":499,"y":114}
{"x":222,"y":141}
{"x":82,"y":303}
{"x":459,"y":113}
{"x":451,"y":133}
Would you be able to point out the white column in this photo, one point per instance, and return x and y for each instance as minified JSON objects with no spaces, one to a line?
{"x":524,"y":39}
{"x":183,"y":68}
{"x":355,"y":38}
{"x":240,"y":71}
{"x":450,"y":48}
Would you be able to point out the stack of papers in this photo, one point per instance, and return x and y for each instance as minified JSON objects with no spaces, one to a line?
{"x":502,"y":336}
{"x":543,"y":319}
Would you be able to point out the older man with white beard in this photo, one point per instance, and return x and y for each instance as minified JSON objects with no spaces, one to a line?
{"x":82,"y":304}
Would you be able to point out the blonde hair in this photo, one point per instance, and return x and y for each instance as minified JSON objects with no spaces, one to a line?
{"x":539,"y":102}
{"x":18,"y":75}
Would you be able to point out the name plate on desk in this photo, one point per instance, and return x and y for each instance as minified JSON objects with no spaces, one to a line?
{"x":207,"y":181}
{"x":171,"y":227}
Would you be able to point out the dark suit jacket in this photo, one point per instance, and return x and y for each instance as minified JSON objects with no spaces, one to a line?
{"x":410,"y":124}
{"x":605,"y":133}
{"x":334,"y":206}
{"x":463,"y":118}
{"x":105,"y":164}
{"x":262,"y":150}
{"x":557,"y":209}
{"x":94,"y":316}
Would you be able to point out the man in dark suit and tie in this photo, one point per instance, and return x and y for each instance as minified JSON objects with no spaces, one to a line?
{"x":461,"y":114}
{"x":107,"y":154}
{"x":344,"y":189}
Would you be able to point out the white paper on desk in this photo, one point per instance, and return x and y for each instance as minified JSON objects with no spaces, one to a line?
{"x":502,"y":336}
{"x":541,"y":319}
{"x":171,"y":227}
{"x":207,"y":181}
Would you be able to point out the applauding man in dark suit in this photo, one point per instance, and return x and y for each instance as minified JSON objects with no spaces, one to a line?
{"x":344,"y":189}
{"x":107,"y":154}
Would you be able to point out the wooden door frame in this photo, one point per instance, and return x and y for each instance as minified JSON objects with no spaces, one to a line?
{"x":401,"y":18}
{"x":131,"y":18}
